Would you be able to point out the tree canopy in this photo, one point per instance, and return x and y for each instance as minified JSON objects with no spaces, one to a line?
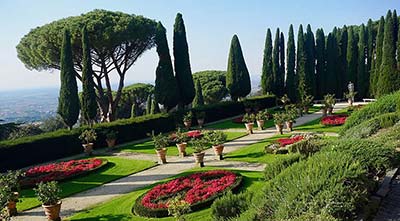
{"x":213,"y":85}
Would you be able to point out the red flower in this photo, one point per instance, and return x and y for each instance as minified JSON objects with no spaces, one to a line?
{"x":194,"y":134}
{"x":287,"y":141}
{"x":334,"y":120}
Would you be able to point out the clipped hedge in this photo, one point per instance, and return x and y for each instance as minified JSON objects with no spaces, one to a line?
{"x":274,"y":168}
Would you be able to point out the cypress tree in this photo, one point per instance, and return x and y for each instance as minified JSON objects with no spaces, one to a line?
{"x":198,"y":99}
{"x":68,"y":101}
{"x":352,"y":51}
{"x":320,"y":69}
{"x":281,"y":79}
{"x":398,"y":48}
{"x":338,"y":87}
{"x":342,"y":65}
{"x":378,"y":58}
{"x":89,"y":105}
{"x":166,"y":88}
{"x":291,"y":60}
{"x":267,"y":82}
{"x":362,"y":73}
{"x":331,"y":83}
{"x":300,"y":65}
{"x":275,"y":64}
{"x":183,"y":71}
{"x":148,"y":105}
{"x":388,"y":77}
{"x":237,"y":76}
{"x":371,"y":35}
{"x":395,"y":25}
{"x":155,"y":109}
{"x":310,"y":62}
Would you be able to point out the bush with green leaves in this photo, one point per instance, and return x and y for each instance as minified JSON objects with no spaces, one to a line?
{"x":307,"y":146}
{"x":52,"y":124}
{"x":390,"y":137}
{"x":230,"y":205}
{"x":275,"y":167}
{"x":25,"y":130}
{"x":216,"y":137}
{"x":48,"y":193}
{"x":213,"y":85}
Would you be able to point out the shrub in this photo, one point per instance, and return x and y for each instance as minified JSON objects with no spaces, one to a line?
{"x":230,"y":205}
{"x":276,"y":167}
{"x":48,"y":193}
{"x":52,"y":124}
{"x":390,"y":136}
{"x":307,"y":146}
{"x":25,"y":131}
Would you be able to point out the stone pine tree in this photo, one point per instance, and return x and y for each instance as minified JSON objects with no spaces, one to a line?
{"x":331,"y":65}
{"x":371,"y":35}
{"x":378,"y":58}
{"x":237,"y":76}
{"x":320,"y":68}
{"x":352,"y":51}
{"x":281,"y":79}
{"x":291,"y":63}
{"x":388,"y":80}
{"x":89,"y":104}
{"x":362,"y":73}
{"x":342,"y":65}
{"x":310,"y":62}
{"x":267,"y":81}
{"x":155,"y":109}
{"x":148,"y":105}
{"x":275,"y":64}
{"x":166,"y":88}
{"x":198,"y":99}
{"x":301,"y":64}
{"x":183,"y":71}
{"x":68,"y":101}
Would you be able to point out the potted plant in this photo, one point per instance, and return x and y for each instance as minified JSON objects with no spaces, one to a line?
{"x":10,"y":192}
{"x":248,"y":120}
{"x":199,"y":145}
{"x":111,"y":137}
{"x":306,"y":102}
{"x":160,"y":145}
{"x":217,"y":140}
{"x":187,"y":119}
{"x":261,"y":117}
{"x":49,"y":195}
{"x":350,"y":97}
{"x":279,"y":120}
{"x":200,"y":118}
{"x":329,"y":103}
{"x":88,"y":137}
{"x":290,"y":116}
{"x":285,"y":100}
{"x":181,"y":139}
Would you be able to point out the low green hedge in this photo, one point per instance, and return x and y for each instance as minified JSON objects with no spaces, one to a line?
{"x":276,"y":167}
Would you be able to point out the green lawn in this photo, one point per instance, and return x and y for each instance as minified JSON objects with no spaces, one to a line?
{"x":316,"y":126}
{"x":148,"y":147}
{"x":116,"y":168}
{"x":120,"y":208}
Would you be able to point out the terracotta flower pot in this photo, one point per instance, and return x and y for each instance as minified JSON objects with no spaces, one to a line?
{"x":199,"y":158}
{"x":249,"y":127}
{"x":218,"y":149}
{"x":330,"y":110}
{"x":52,"y":211}
{"x":161,"y":153}
{"x":12,"y":208}
{"x":187,"y":124}
{"x":279,"y":128}
{"x":289,"y":125}
{"x":200,"y":122}
{"x":260,"y":124}
{"x":182,"y":148}
{"x":88,"y":148}
{"x":111,"y":142}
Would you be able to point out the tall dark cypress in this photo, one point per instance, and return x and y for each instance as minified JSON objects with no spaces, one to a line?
{"x":267,"y":81}
{"x":395,"y":25}
{"x":166,"y":89}
{"x":281,"y":79}
{"x":331,"y":65}
{"x":378,"y":58}
{"x":339,"y":73}
{"x":310,"y":61}
{"x":237,"y":76}
{"x":68,"y":101}
{"x":352,"y":51}
{"x":371,"y":36}
{"x":388,"y":80}
{"x":183,"y":71}
{"x":301,"y":64}
{"x":89,"y":105}
{"x":198,"y":100}
{"x":342,"y":65}
{"x":362,"y":73}
{"x":398,"y":48}
{"x":275,"y":64}
{"x":320,"y":69}
{"x":291,"y":63}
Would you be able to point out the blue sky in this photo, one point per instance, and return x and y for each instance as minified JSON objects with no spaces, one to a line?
{"x":210,"y":25}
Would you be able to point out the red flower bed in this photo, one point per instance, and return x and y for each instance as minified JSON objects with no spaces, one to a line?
{"x":60,"y":171}
{"x":194,"y":188}
{"x":287,"y":141}
{"x":194,"y":134}
{"x":334,"y":120}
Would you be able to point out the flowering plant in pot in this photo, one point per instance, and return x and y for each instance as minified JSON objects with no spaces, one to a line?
{"x":279,"y":120}
{"x":285,"y":100}
{"x":10,"y":190}
{"x":187,"y":119}
{"x":199,"y":145}
{"x":329,"y":102}
{"x":248,"y":120}
{"x":200,"y":116}
{"x":261,"y":117}
{"x":49,"y":195}
{"x":160,"y":145}
{"x":290,"y":116}
{"x":88,"y":137}
{"x":350,"y":97}
{"x":111,"y":137}
{"x":181,"y":139}
{"x":306,"y":102}
{"x":217,"y":140}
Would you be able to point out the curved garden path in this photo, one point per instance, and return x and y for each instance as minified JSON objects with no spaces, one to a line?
{"x":175,"y":165}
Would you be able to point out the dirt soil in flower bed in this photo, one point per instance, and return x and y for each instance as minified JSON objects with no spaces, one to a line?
{"x":60,"y":171}
{"x":198,"y":189}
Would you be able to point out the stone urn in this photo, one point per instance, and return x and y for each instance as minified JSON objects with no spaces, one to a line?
{"x":218,"y":149}
{"x":249,"y":127}
{"x":88,"y":148}
{"x":279,"y":128}
{"x":199,"y":158}
{"x":260,"y":124}
{"x":182,"y":148}
{"x":162,"y":153}
{"x":52,"y":211}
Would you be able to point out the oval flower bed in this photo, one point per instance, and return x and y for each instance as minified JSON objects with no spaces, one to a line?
{"x":60,"y":171}
{"x":198,"y":189}
{"x":287,"y":141}
{"x":334,"y":120}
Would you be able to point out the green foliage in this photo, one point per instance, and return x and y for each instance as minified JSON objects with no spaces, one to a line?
{"x":88,"y":136}
{"x":68,"y":101}
{"x":199,"y":144}
{"x":352,"y":54}
{"x":291,"y":61}
{"x":300,"y":63}
{"x":212,"y":84}
{"x":329,"y":100}
{"x":216,"y":137}
{"x":320,"y":68}
{"x":333,"y":83}
{"x":249,"y":118}
{"x":48,"y":193}
{"x":181,"y":136}
{"x":198,"y":99}
{"x":134,"y":93}
{"x":263,"y":115}
{"x":279,"y":118}
{"x":11,"y":180}
{"x":375,"y":71}
{"x":230,"y":206}
{"x":188,"y":117}
{"x":362,"y":68}
{"x":276,"y":71}
{"x":282,"y":67}
{"x":52,"y":124}
{"x":148,"y":105}
{"x":183,"y":73}
{"x":160,"y":141}
{"x":267,"y":78}
{"x":309,"y":49}
{"x":308,"y":146}
{"x":25,"y":131}
{"x":166,"y":90}
{"x":177,"y":207}
{"x":272,"y":169}
{"x":237,"y":77}
{"x":155,"y":109}
{"x":134,"y":110}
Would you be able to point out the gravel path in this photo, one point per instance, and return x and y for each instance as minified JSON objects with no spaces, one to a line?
{"x":175,"y":165}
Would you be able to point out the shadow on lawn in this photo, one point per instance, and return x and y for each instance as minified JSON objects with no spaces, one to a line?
{"x":105,"y":217}
{"x":249,"y":155}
